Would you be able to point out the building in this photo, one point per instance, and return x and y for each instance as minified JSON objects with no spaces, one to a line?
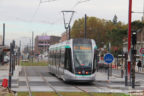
{"x":140,"y":41}
{"x":42,"y":43}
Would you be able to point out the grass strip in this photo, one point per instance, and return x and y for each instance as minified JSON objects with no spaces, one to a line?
{"x":70,"y":94}
{"x":29,"y":63}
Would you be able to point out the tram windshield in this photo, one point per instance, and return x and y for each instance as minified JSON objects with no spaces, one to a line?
{"x":82,"y":55}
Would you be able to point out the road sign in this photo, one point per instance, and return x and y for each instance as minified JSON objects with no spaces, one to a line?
{"x":108,"y":58}
{"x":142,"y":50}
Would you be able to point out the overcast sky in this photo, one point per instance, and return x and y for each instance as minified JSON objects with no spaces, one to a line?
{"x":24,"y":16}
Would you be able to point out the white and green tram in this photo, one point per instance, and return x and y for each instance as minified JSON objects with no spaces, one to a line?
{"x":74,"y":60}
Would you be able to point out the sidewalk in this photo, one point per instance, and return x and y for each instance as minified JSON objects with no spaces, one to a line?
{"x":4,"y":74}
{"x":115,"y":82}
{"x":136,"y":70}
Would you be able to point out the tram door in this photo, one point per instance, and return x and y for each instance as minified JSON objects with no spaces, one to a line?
{"x":96,"y":59}
{"x":68,"y":62}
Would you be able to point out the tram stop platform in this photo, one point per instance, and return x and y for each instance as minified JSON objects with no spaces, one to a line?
{"x":116,"y":82}
{"x":4,"y":74}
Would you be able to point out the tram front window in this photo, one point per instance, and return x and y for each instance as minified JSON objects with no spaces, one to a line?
{"x":82,"y":55}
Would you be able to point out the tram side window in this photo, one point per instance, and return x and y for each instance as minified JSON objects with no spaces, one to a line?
{"x":49,"y":58}
{"x":52,"y":57}
{"x":62,"y":57}
{"x":57,"y":57}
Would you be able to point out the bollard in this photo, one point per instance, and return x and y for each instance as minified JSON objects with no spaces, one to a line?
{"x":122,"y":72}
{"x":5,"y":83}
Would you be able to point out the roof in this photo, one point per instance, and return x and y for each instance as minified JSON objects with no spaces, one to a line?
{"x":43,"y":37}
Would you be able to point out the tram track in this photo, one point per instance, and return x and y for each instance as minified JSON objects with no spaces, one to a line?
{"x":90,"y":94}
{"x":27,"y":82}
{"x":45,"y":80}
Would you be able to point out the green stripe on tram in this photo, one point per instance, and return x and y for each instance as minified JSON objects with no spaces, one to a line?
{"x":67,"y":46}
{"x":95,"y":47}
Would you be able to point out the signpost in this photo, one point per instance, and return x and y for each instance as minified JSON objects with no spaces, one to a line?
{"x":108,"y":58}
{"x":142,"y":50}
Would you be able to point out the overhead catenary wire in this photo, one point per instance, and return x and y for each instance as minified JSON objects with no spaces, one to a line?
{"x":36,"y":11}
{"x":79,"y":2}
{"x":48,"y":1}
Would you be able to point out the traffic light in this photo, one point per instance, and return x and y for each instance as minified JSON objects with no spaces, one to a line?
{"x":134,"y":37}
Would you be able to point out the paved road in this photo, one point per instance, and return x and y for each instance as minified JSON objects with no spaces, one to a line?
{"x":37,"y":83}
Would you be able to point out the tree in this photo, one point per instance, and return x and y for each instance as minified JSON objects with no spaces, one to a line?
{"x":137,"y":25}
{"x":115,"y":19}
{"x":101,"y":30}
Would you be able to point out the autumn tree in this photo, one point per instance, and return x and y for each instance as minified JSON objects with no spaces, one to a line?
{"x":101,"y":30}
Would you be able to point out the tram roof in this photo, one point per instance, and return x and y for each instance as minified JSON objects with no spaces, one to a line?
{"x":65,"y":44}
{"x":62,"y":44}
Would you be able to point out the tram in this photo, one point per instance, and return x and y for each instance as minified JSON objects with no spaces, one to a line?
{"x":74,"y":60}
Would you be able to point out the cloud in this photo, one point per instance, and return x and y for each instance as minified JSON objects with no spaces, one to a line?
{"x":21,"y":19}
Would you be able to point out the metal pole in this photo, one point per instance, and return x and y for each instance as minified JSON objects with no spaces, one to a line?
{"x":122,"y":66}
{"x":129,"y":34}
{"x":85,"y":30}
{"x":10,"y":65}
{"x":143,"y":7}
{"x":108,"y":71}
{"x":69,"y":32}
{"x":13,"y":57}
{"x":3,"y":34}
{"x":126,"y":71}
{"x":133,"y":66}
{"x":32,"y":45}
{"x":117,"y":61}
{"x":19,"y":54}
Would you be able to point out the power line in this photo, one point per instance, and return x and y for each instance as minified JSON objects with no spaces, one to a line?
{"x":79,"y":2}
{"x":48,"y":1}
{"x":36,"y":11}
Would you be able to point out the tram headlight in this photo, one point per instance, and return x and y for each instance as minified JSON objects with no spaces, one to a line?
{"x":79,"y":72}
{"x":86,"y":72}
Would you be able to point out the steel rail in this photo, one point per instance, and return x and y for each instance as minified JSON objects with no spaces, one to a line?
{"x":49,"y":85}
{"x":27,"y":82}
{"x":84,"y":91}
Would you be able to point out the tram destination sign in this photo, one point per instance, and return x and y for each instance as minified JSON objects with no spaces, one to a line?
{"x":108,"y":58}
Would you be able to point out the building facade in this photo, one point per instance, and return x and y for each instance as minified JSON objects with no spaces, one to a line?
{"x":140,"y":41}
{"x":42,"y":43}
